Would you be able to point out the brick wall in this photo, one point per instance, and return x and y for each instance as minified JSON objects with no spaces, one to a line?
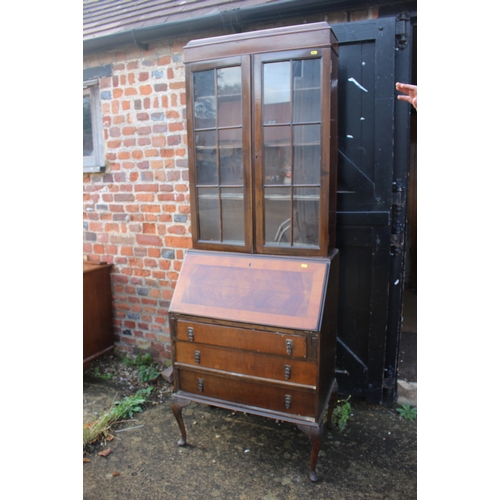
{"x":136,"y":214}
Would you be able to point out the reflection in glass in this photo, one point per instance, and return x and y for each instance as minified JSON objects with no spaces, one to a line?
{"x":276,"y":90}
{"x":204,"y":99}
{"x":277,"y":166}
{"x":230,"y":156}
{"x":88,"y":143}
{"x":232,"y":215}
{"x":306,"y":91}
{"x":277,"y":228}
{"x":206,"y":161}
{"x":208,"y":207}
{"x":306,"y":216}
{"x":306,"y":154}
{"x":229,"y":96}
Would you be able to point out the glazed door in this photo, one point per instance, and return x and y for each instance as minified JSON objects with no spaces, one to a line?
{"x":220,"y":170}
{"x":292,"y":167}
{"x":372,"y":177}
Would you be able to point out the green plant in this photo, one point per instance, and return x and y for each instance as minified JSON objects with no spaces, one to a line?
{"x":97,"y":374}
{"x":125,"y":408}
{"x":342,"y":413}
{"x":148,"y":373}
{"x":148,"y":370}
{"x":407,"y":412}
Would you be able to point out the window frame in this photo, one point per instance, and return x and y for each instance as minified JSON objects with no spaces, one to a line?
{"x":96,"y":161}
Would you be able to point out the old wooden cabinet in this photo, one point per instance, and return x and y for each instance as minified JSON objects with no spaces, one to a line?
{"x":98,"y":335}
{"x":253,"y":316}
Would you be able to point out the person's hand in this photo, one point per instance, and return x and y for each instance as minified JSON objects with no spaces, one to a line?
{"x":410,"y":92}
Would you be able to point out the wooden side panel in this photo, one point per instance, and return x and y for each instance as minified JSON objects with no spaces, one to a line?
{"x":97,"y":312}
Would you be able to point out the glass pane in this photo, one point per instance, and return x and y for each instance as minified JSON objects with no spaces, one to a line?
{"x":230,"y":156}
{"x":306,"y":154}
{"x":206,"y":160}
{"x":208,"y":207}
{"x":88,"y":144}
{"x":307,"y":90}
{"x":277,"y":166}
{"x":306,"y":217}
{"x":233,"y":222}
{"x":277,"y":216}
{"x":276,"y":91}
{"x":229,"y":96}
{"x":204,"y":99}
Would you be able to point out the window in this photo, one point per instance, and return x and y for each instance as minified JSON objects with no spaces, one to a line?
{"x":93,"y":149}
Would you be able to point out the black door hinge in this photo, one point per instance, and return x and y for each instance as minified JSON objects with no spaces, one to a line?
{"x":402,"y":30}
{"x":397,"y":197}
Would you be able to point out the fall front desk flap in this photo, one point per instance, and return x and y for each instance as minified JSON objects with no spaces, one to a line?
{"x":286,"y":292}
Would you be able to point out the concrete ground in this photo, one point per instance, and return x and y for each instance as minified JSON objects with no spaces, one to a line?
{"x":240,"y":456}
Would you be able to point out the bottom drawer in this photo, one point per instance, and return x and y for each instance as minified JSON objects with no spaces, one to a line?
{"x":245,"y":392}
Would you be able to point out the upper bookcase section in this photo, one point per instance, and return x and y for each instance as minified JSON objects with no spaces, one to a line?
{"x":306,"y":36}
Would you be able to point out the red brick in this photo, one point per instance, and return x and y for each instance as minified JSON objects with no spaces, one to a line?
{"x":177,"y":229}
{"x":178,"y":242}
{"x":125,"y":250}
{"x":145,"y":197}
{"x":149,"y":228}
{"x":146,"y":187}
{"x":148,"y":239}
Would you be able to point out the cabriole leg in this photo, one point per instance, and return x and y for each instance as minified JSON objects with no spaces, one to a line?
{"x":176,"y":405}
{"x":315,"y":435}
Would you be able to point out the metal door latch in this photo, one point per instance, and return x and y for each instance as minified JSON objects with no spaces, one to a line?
{"x":191,"y":333}
{"x":288,"y":401}
{"x":289,"y":346}
{"x":197,"y":356}
{"x":288,"y":371}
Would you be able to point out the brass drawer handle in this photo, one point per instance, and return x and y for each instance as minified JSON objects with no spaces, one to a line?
{"x":289,"y":346}
{"x":191,"y":333}
{"x":197,"y":356}
{"x":288,"y":401}
{"x":200,"y":384}
{"x":288,"y":371}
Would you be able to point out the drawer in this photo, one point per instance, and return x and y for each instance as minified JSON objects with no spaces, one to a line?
{"x":240,"y":338}
{"x":281,"y":399}
{"x":247,"y":363}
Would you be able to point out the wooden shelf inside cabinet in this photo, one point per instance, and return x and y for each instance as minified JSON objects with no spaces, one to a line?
{"x":256,"y":333}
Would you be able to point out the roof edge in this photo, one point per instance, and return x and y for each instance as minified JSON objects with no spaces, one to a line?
{"x":232,"y":19}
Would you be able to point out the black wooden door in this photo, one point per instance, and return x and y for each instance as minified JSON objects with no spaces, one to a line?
{"x":373,"y":154}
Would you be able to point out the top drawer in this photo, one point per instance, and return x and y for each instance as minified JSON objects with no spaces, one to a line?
{"x":239,"y":338}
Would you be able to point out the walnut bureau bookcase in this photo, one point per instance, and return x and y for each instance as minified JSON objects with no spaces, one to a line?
{"x":254,"y":314}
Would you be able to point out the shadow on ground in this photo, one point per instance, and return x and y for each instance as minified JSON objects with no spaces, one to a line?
{"x":240,"y":456}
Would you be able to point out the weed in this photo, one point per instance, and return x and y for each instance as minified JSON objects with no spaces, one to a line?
{"x":97,"y":374}
{"x":148,"y":371}
{"x":342,"y":413}
{"x":126,"y":408}
{"x":407,"y":412}
{"x":139,"y":360}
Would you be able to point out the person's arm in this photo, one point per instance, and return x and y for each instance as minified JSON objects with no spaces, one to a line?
{"x":410,"y":92}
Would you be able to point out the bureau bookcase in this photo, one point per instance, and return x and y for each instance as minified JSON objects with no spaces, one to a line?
{"x":254,"y":313}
